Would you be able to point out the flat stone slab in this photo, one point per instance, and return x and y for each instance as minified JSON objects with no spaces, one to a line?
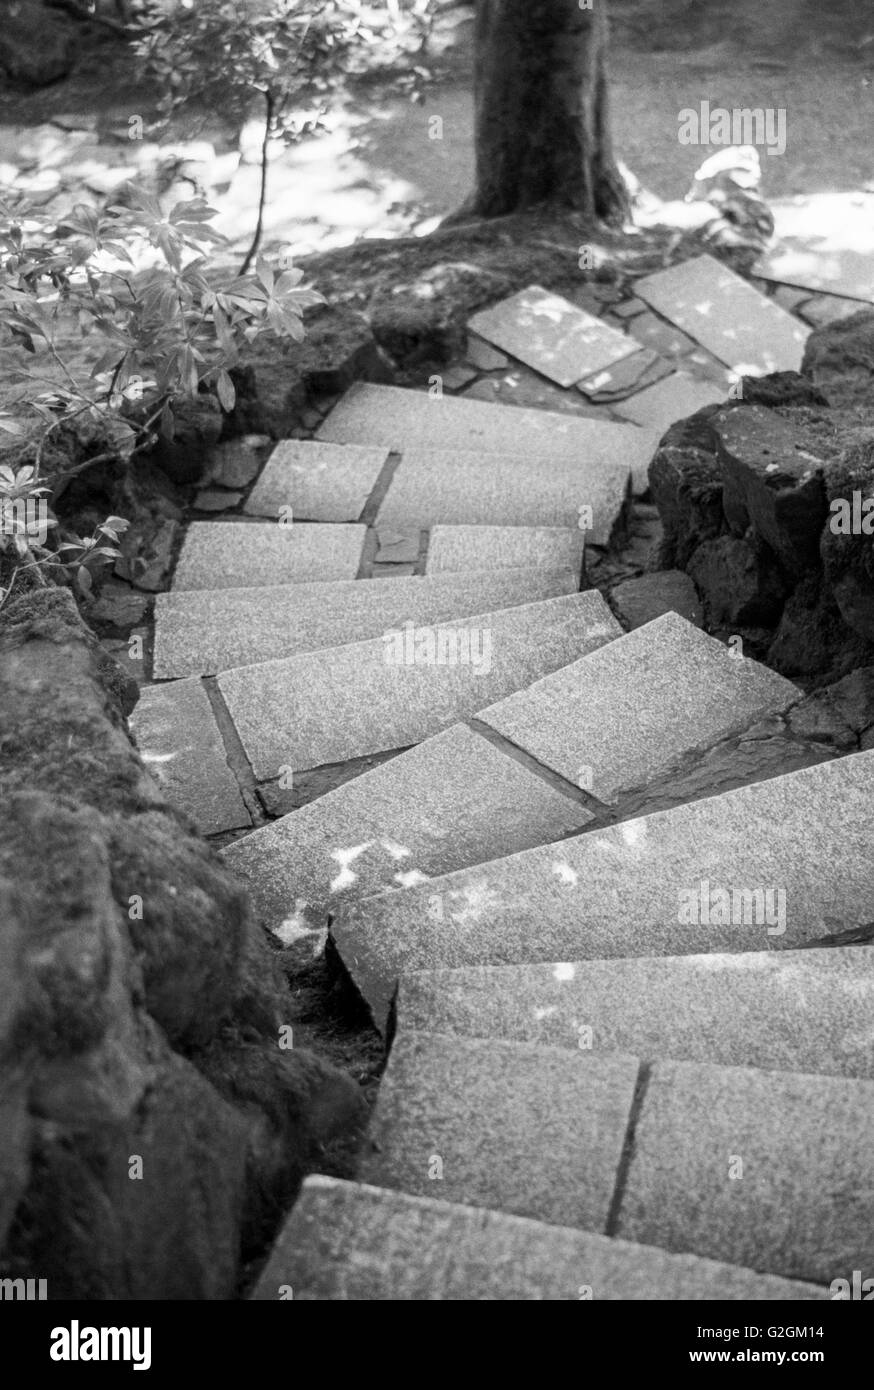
{"x":345,"y":702}
{"x":805,"y":1011}
{"x":346,"y":1242}
{"x":627,"y":375}
{"x":727,"y":316}
{"x":765,"y":1169}
{"x":483,"y":356}
{"x":555,"y":337}
{"x":648,"y":596}
{"x":674,"y":398}
{"x":824,"y":309}
{"x":452,"y":548}
{"x":527,"y":1130}
{"x":201,"y":631}
{"x":319,"y":482}
{"x":405,"y":420}
{"x":620,"y":718}
{"x":630,"y":889}
{"x":180,"y":744}
{"x":431,"y":487}
{"x":452,"y":801}
{"x":249,"y":554}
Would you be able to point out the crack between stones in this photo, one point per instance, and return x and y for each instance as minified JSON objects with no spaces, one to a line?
{"x":546,"y":774}
{"x":627,"y":1156}
{"x":235,"y":755}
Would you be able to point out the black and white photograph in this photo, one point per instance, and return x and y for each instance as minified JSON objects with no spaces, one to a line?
{"x":436,"y":670}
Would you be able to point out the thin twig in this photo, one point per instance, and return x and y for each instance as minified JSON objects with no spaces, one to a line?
{"x":262,"y":199}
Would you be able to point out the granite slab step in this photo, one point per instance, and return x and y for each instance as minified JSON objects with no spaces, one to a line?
{"x":766,"y":1170}
{"x":433,"y":487}
{"x":247,"y":554}
{"x":673,"y":398}
{"x":631,"y":889}
{"x":532,"y":1131}
{"x":452,"y":801}
{"x":453,"y":548}
{"x":750,"y":333}
{"x":344,"y":702}
{"x":770,"y":1170}
{"x":557,"y":338}
{"x":319,"y":482}
{"x":180,"y":743}
{"x":403,"y":420}
{"x":201,"y":631}
{"x":347,"y":1241}
{"x":808,"y":1011}
{"x":620,"y":718}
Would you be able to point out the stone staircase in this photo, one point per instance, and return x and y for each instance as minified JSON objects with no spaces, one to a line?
{"x":604,"y":892}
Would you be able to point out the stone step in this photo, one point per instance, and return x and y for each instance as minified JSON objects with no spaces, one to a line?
{"x":347,"y":1241}
{"x":180,"y":743}
{"x":248,"y":554}
{"x":770,"y":1170}
{"x":750,"y":333}
{"x":453,"y":548}
{"x":553,"y":336}
{"x":432,"y":487}
{"x":766,"y":1170}
{"x":319,"y":482}
{"x":403,"y":420}
{"x":626,"y":715}
{"x":805,"y":1011}
{"x":452,"y":801}
{"x":201,"y":631}
{"x":345,"y":702}
{"x":671,"y":399}
{"x":531,"y":1131}
{"x":628,"y":889}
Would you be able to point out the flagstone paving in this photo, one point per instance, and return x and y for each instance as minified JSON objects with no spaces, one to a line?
{"x":633,"y":1055}
{"x":630,"y":374}
{"x":626,"y":714}
{"x":639,"y":888}
{"x":201,"y":631}
{"x":674,"y":398}
{"x":180,"y":743}
{"x":406,"y":420}
{"x":787,"y":1011}
{"x":320,"y":482}
{"x":345,"y":702}
{"x":727,"y":316}
{"x":755,"y":1168}
{"x":247,"y":554}
{"x":559,"y":340}
{"x":482,"y":1119}
{"x":349,"y":1241}
{"x":452,"y":548}
{"x":451,"y":801}
{"x":431,"y":488}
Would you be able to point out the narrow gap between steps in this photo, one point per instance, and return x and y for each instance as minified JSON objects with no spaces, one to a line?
{"x":235,"y":755}
{"x":625,"y":1160}
{"x":370,"y":511}
{"x":546,"y":774}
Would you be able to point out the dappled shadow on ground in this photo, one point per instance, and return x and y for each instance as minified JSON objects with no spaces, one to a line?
{"x":386,"y":166}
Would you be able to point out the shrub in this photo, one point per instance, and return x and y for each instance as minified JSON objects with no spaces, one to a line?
{"x":113,"y":319}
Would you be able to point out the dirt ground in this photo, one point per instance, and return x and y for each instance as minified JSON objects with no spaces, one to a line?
{"x":376,"y":172}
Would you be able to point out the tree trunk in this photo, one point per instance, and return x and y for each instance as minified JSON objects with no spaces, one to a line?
{"x":542,"y":129}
